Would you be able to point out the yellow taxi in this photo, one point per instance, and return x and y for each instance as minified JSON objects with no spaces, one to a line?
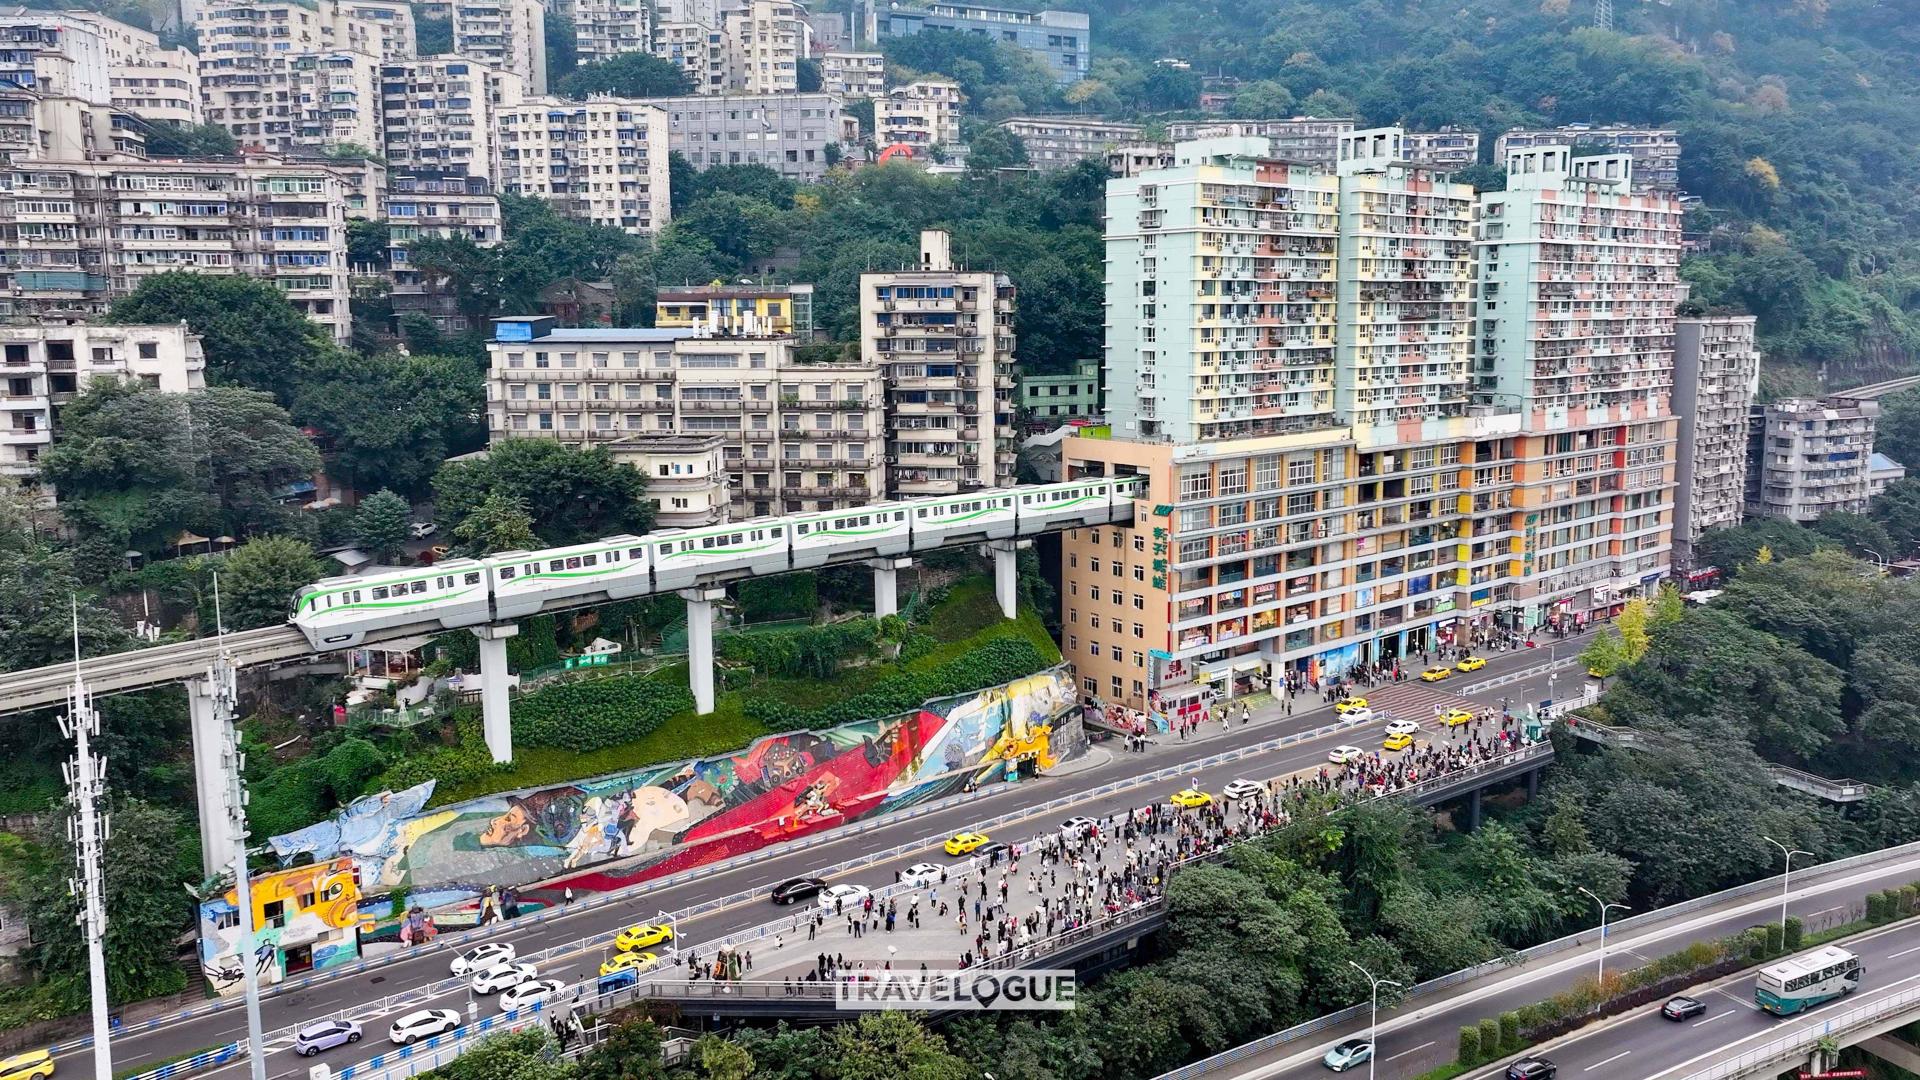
{"x":625,"y":961}
{"x":1456,"y":717}
{"x":32,"y":1065}
{"x":1191,"y":798}
{"x":1470,"y":663}
{"x":1399,"y":741}
{"x":962,"y":843}
{"x":1435,"y":674}
{"x":1596,"y":673}
{"x":635,"y":938}
{"x":1347,"y":705}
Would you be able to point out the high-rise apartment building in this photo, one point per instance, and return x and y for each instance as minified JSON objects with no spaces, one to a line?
{"x":1807,"y":458}
{"x":603,"y":29}
{"x":509,"y":34}
{"x":434,"y":205}
{"x":1449,"y":148}
{"x":43,"y":367}
{"x":1063,"y":39}
{"x":1716,"y":372}
{"x":1055,"y":142}
{"x":923,"y":113}
{"x":1305,"y":140}
{"x":700,"y":51}
{"x":335,"y":100}
{"x":854,"y":74}
{"x":56,"y":56}
{"x":440,"y":114}
{"x":78,"y":235}
{"x":603,"y":160}
{"x":282,"y":74}
{"x":162,"y":85}
{"x":766,"y":38}
{"x":944,"y":337}
{"x":799,"y":136}
{"x":1655,"y":151}
{"x":795,"y":436}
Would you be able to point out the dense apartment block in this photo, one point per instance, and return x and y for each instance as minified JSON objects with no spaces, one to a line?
{"x":1055,"y":142}
{"x":795,"y":436}
{"x":1655,"y":151}
{"x":34,"y":124}
{"x":1063,"y":39}
{"x":509,"y":34}
{"x":162,"y":85}
{"x":800,"y":136}
{"x":686,"y":476}
{"x":1133,"y":159}
{"x":1807,"y":458}
{"x":282,"y":74}
{"x":434,"y":205}
{"x":1044,"y":402}
{"x":1306,"y":140}
{"x":603,"y":29}
{"x":1716,"y":372}
{"x":78,"y":235}
{"x":921,"y":114}
{"x":440,"y":114}
{"x":335,"y":100}
{"x":603,"y":160}
{"x":738,"y":310}
{"x":854,"y":74}
{"x":43,"y":367}
{"x":765,"y":38}
{"x":1449,"y":148}
{"x":944,"y":338}
{"x":56,"y":56}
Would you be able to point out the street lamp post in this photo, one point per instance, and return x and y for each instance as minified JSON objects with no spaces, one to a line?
{"x":1786,"y":880}
{"x":1603,"y":927}
{"x":1373,"y":1014}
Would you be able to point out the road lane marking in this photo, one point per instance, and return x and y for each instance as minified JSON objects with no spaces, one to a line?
{"x":1903,"y":952}
{"x":1609,"y":1061}
{"x":1404,"y":1053}
{"x":1799,"y":1028}
{"x":1716,"y":1016}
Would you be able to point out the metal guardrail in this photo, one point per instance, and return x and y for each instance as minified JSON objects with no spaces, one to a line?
{"x":1838,"y":791}
{"x":1563,"y":944}
{"x":1801,"y":1043}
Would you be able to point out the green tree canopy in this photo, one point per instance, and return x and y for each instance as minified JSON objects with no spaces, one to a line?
{"x":391,"y":420}
{"x":572,"y":495}
{"x":380,"y":524}
{"x":252,"y":336}
{"x":259,"y":580}
{"x":628,"y":75}
{"x":170,"y":140}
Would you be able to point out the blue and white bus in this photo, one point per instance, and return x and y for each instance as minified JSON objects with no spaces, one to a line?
{"x":1801,"y":982}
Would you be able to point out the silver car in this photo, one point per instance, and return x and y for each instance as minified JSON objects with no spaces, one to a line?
{"x":325,"y":1035}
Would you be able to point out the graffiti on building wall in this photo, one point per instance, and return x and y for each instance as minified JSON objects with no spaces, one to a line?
{"x":304,"y":919}
{"x":663,"y":819}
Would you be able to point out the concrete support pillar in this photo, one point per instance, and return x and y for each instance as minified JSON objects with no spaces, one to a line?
{"x":496,"y":681}
{"x":1894,"y":1051}
{"x":1473,"y":811}
{"x":207,"y":723}
{"x":886,"y":585}
{"x":700,"y":644}
{"x":1533,"y":785}
{"x":1006,"y":573}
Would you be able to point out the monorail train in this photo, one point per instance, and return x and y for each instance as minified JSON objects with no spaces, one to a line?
{"x":338,"y":613}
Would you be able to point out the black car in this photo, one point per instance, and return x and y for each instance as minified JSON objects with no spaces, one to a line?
{"x":1532,"y":1069}
{"x":799,"y":888}
{"x":1683,"y":1007}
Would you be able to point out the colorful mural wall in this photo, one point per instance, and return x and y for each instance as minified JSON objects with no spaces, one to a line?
{"x":304,"y":919}
{"x":663,"y":819}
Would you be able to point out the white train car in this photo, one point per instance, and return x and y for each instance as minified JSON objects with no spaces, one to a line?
{"x":1085,"y":502}
{"x":878,"y":530}
{"x":613,"y":568}
{"x":338,"y":612}
{"x":964,"y":519}
{"x":688,"y":557}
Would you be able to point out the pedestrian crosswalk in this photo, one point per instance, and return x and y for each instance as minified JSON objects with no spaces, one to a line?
{"x":1413,"y":700}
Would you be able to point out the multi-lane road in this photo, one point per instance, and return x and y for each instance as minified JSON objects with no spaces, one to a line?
{"x":348,"y":992}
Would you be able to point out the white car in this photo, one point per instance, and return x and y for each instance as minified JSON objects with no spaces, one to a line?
{"x":849,"y":896}
{"x":528,"y":994}
{"x":921,"y":875}
{"x":501,"y":977}
{"x":1241,"y":789}
{"x":424,"y":1024}
{"x":1361,"y":715}
{"x":1341,"y":755}
{"x":1403,"y":727}
{"x":482,"y":957}
{"x":1077,"y":826}
{"x":420,"y":530}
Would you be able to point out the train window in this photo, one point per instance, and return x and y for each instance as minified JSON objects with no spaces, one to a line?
{"x":866,"y":519}
{"x":739,"y":538}
{"x":774,"y":532}
{"x":556,"y":564}
{"x":590,"y":560}
{"x":613,"y":557}
{"x":473,"y":577}
{"x":506,"y":573}
{"x":800,"y":529}
{"x":639,"y":553}
{"x":380,"y":593}
{"x":420,"y":586}
{"x":706,"y":541}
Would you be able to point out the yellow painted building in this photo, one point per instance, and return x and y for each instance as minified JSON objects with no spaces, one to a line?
{"x":739,"y":310}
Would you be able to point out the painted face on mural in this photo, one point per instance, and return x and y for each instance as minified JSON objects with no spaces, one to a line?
{"x":545,"y":818}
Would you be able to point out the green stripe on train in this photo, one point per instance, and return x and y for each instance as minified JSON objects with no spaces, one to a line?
{"x":718,"y":551}
{"x":366,"y":605}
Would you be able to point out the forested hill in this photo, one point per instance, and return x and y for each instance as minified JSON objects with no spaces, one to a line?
{"x":1799,"y":120}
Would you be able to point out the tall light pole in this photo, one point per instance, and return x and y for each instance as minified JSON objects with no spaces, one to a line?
{"x":87,"y":830}
{"x":1603,"y":927}
{"x":226,"y":699}
{"x":1373,"y":1014}
{"x":1786,"y":880}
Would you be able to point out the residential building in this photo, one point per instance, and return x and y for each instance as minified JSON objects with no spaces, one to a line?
{"x":440,"y":114}
{"x":383,"y":29}
{"x":1808,"y":458}
{"x":162,"y":85}
{"x":944,"y":337}
{"x":766,"y":38}
{"x":1881,"y":471}
{"x":854,"y":74}
{"x":285,"y":74}
{"x":42,"y":367}
{"x":1044,"y":402}
{"x":1656,"y":151}
{"x":686,"y":476}
{"x":603,"y":160}
{"x":573,"y":302}
{"x":509,"y":34}
{"x":1716,"y":371}
{"x":920,"y":114}
{"x":1055,"y":142}
{"x":1136,"y":158}
{"x":33,"y":124}
{"x":698,"y":50}
{"x":78,"y":235}
{"x":603,"y":29}
{"x":738,"y":310}
{"x":1303,"y":139}
{"x":55,"y":56}
{"x":1064,"y":39}
{"x":434,"y":205}
{"x":1449,"y":148}
{"x":800,"y":136}
{"x":121,"y":43}
{"x":335,"y":100}
{"x":305,"y":919}
{"x":796,"y":436}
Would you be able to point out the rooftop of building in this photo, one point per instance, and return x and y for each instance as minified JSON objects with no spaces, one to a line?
{"x":669,"y":442}
{"x":669,"y":294}
{"x":529,"y":324}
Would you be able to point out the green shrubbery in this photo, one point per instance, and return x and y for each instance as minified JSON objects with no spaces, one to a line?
{"x":995,"y":662}
{"x":788,"y":596}
{"x":814,"y":652}
{"x":465,"y":761}
{"x":593,"y":714}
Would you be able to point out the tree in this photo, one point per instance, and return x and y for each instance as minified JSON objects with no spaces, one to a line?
{"x":1606,"y":654}
{"x":995,"y":148}
{"x":563,"y":47}
{"x":630,"y":1051}
{"x":432,"y":36}
{"x":628,"y":75}
{"x":722,"y":1059}
{"x":1632,"y":627}
{"x":499,"y":523}
{"x":252,"y":336}
{"x":528,"y":1054}
{"x":807,"y":75}
{"x":391,"y":420}
{"x":1858,"y":534}
{"x":741,"y":228}
{"x":1897,"y":431}
{"x":1897,"y":510}
{"x":1167,"y":87}
{"x":170,"y":140}
{"x":572,"y":495}
{"x":1262,"y":100}
{"x":380,"y":524}
{"x":260,"y":578}
{"x":368,"y":242}
{"x":891,"y":1046}
{"x":1730,"y":548}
